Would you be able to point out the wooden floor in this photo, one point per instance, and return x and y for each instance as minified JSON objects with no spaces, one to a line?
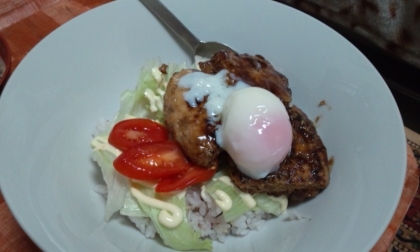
{"x":24,"y":23}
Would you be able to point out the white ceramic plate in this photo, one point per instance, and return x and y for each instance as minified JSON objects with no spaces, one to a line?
{"x":49,"y":109}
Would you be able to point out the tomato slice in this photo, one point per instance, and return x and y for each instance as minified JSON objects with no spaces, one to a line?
{"x":129,"y":133}
{"x":194,"y":175}
{"x":152,"y":161}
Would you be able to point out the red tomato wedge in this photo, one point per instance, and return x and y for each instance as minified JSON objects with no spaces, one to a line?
{"x":152,"y":161}
{"x":128,"y":133}
{"x":194,"y":175}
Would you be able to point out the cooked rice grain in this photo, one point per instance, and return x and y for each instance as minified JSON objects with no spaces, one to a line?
{"x":206,"y":218}
{"x":145,"y":225}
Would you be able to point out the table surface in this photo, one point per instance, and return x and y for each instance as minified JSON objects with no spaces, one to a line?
{"x":23,"y":23}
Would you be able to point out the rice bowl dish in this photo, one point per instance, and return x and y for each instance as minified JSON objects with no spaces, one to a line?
{"x":61,"y":209}
{"x":203,"y":201}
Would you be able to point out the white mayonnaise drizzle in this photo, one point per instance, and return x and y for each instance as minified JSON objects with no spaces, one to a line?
{"x":170,"y":216}
{"x":247,"y":198}
{"x":203,"y":192}
{"x":180,"y":194}
{"x":152,"y":185}
{"x":157,"y":74}
{"x":145,"y":183}
{"x":223,"y":200}
{"x":214,"y":87}
{"x":101,"y":143}
{"x":282,"y":200}
{"x":156,"y":101}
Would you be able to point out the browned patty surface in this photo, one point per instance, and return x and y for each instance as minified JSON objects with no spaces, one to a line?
{"x":253,"y":70}
{"x":304,"y":172}
{"x":188,"y":125}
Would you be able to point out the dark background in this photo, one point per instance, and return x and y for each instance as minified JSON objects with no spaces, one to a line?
{"x":402,"y":78}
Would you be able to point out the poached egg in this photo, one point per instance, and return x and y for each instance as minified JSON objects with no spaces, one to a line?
{"x":255,"y":130}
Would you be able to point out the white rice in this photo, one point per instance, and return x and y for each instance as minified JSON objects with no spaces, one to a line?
{"x":206,"y":218}
{"x":145,"y":225}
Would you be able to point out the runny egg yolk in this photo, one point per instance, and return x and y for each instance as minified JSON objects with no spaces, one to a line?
{"x":255,"y":130}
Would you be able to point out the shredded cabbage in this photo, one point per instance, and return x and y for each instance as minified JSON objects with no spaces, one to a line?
{"x":132,"y":208}
{"x":238,"y":206}
{"x":146,"y":101}
{"x":182,"y":237}
{"x":270,"y":204}
{"x":117,"y":184}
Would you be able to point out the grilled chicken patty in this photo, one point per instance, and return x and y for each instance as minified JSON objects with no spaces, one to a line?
{"x":188,"y":125}
{"x":253,"y":70}
{"x":301,"y":175}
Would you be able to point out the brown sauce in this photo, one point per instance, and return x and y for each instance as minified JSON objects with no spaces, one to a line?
{"x":331,"y":162}
{"x":324,"y":103}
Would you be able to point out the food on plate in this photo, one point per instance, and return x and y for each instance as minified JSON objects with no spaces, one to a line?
{"x":151,"y":161}
{"x":255,"y":130}
{"x":209,"y":151}
{"x":188,"y":125}
{"x":129,"y":133}
{"x":253,"y":70}
{"x":302,"y":174}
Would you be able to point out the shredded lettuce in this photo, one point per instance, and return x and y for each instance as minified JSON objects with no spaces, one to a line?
{"x":132,"y":208}
{"x":238,"y":206}
{"x":146,"y":100}
{"x":182,"y":237}
{"x":270,"y":204}
{"x":117,"y":184}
